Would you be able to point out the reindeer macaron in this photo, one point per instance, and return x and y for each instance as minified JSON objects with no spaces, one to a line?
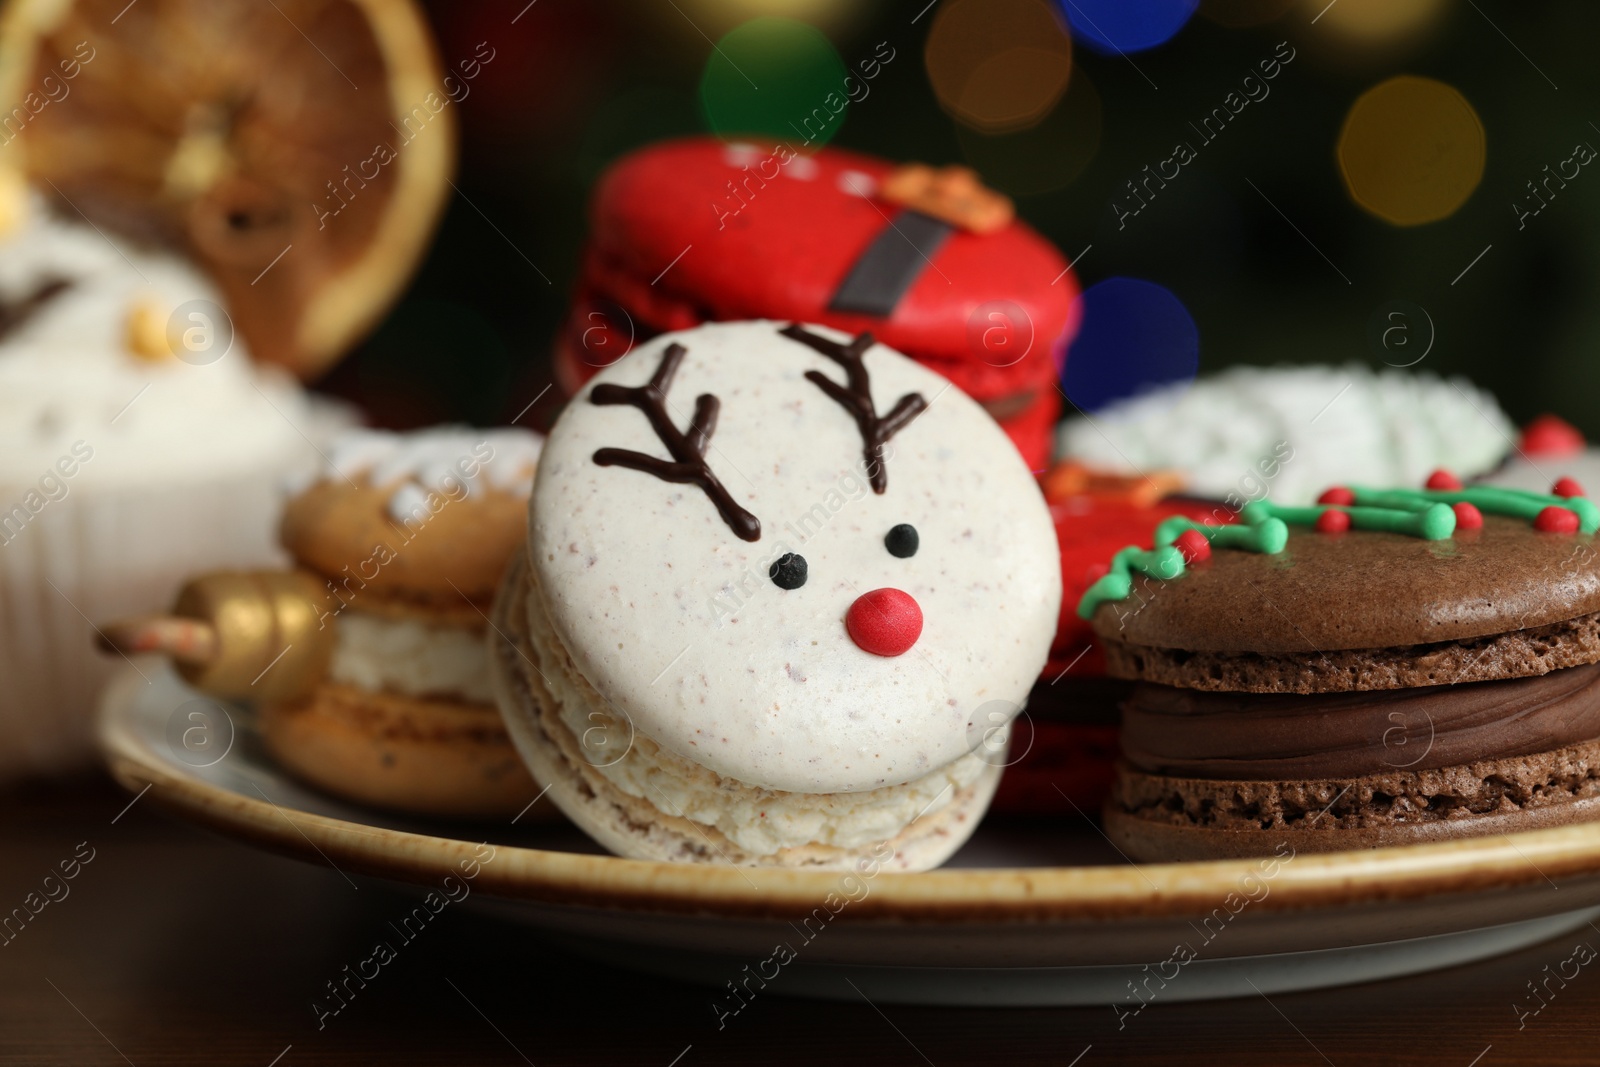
{"x":783,"y":589}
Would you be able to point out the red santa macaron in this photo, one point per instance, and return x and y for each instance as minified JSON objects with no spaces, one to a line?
{"x":926,"y":259}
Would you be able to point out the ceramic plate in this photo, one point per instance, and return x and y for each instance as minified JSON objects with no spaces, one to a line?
{"x":1028,"y":913}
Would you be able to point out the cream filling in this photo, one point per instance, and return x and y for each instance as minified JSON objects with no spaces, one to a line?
{"x":759,"y":821}
{"x":411,"y":657}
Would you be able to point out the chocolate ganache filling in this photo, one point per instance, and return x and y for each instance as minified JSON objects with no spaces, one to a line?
{"x":1269,"y":736}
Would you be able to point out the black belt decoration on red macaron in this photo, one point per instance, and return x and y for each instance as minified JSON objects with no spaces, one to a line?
{"x":688,"y":463}
{"x":890,"y":265}
{"x":856,"y":396}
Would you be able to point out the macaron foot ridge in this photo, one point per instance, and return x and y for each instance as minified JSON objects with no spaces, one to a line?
{"x":1514,"y":654}
{"x":527,"y":664}
{"x":1161,"y":817}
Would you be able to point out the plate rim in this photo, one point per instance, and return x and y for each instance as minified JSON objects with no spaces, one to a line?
{"x":1133,"y":892}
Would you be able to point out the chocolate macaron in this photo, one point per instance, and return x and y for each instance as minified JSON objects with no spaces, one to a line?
{"x":1385,"y":667}
{"x":932,"y":263}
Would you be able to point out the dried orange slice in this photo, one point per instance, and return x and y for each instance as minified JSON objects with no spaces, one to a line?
{"x":298,"y":150}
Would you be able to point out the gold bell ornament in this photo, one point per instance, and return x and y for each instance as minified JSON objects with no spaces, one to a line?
{"x":239,"y":635}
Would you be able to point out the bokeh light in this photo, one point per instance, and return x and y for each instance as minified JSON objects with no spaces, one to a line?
{"x":774,"y":79}
{"x":1411,"y":151}
{"x":997,"y":65}
{"x":1134,"y":337}
{"x":839,"y":19}
{"x":811,"y":10}
{"x":1373,"y":22}
{"x":1044,"y":157}
{"x":1116,"y":27}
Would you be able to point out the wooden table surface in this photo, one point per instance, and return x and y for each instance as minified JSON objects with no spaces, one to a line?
{"x":172,"y":946}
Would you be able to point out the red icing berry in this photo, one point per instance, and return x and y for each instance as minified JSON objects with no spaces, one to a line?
{"x":1556,"y":520}
{"x":1193,"y":545}
{"x":1337,"y":495}
{"x":1333,"y":521}
{"x":1468,"y":517}
{"x":1550,"y":436}
{"x":1567,"y":487}
{"x":1443,"y":479}
{"x":885,"y":622}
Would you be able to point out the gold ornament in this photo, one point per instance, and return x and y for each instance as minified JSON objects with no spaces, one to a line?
{"x":239,"y":635}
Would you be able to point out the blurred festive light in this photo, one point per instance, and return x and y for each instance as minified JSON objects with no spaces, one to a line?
{"x":1043,"y":157}
{"x":810,"y":10}
{"x":1379,"y":21}
{"x":839,"y":19}
{"x":1237,"y":14}
{"x":997,"y":65}
{"x":774,"y":78}
{"x":1116,"y":27}
{"x":1411,"y":151}
{"x":1135,"y":336}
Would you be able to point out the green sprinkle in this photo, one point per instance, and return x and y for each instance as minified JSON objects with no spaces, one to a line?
{"x":1435,"y":523}
{"x":1165,"y":561}
{"x":1390,"y":514}
{"x":1257,"y":511}
{"x":1438,"y":522}
{"x":1264,"y":528}
{"x":1169,"y":530}
{"x":1107,"y":588}
{"x":1307,"y":516}
{"x":1398,"y":499}
{"x":1269,"y":535}
{"x":1489,"y":499}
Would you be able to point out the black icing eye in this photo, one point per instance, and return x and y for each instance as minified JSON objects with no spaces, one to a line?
{"x":789,"y":572}
{"x":902,"y":541}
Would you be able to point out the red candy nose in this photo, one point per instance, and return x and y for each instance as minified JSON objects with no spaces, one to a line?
{"x":885,"y":622}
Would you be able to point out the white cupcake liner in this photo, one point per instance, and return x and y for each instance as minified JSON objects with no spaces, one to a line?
{"x":101,"y":554}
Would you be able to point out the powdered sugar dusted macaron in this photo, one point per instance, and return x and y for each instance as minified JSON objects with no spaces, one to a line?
{"x":779,"y":583}
{"x":430,"y":515}
{"x":409,"y":534}
{"x":1250,"y":433}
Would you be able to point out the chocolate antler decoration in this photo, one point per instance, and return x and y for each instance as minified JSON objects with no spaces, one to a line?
{"x":856,"y":397}
{"x":688,"y":452}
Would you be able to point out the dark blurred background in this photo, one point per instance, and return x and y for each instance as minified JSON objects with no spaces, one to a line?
{"x":576,"y":83}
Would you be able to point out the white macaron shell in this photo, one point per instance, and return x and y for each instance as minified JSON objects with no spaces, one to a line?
{"x":674,"y":620}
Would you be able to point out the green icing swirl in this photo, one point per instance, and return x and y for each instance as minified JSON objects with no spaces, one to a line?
{"x":1489,"y":499}
{"x":1264,"y":528}
{"x":1165,"y":561}
{"x":1263,"y":533}
{"x":1429,"y":520}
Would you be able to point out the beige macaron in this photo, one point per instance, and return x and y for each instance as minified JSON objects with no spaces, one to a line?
{"x":409,"y":534}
